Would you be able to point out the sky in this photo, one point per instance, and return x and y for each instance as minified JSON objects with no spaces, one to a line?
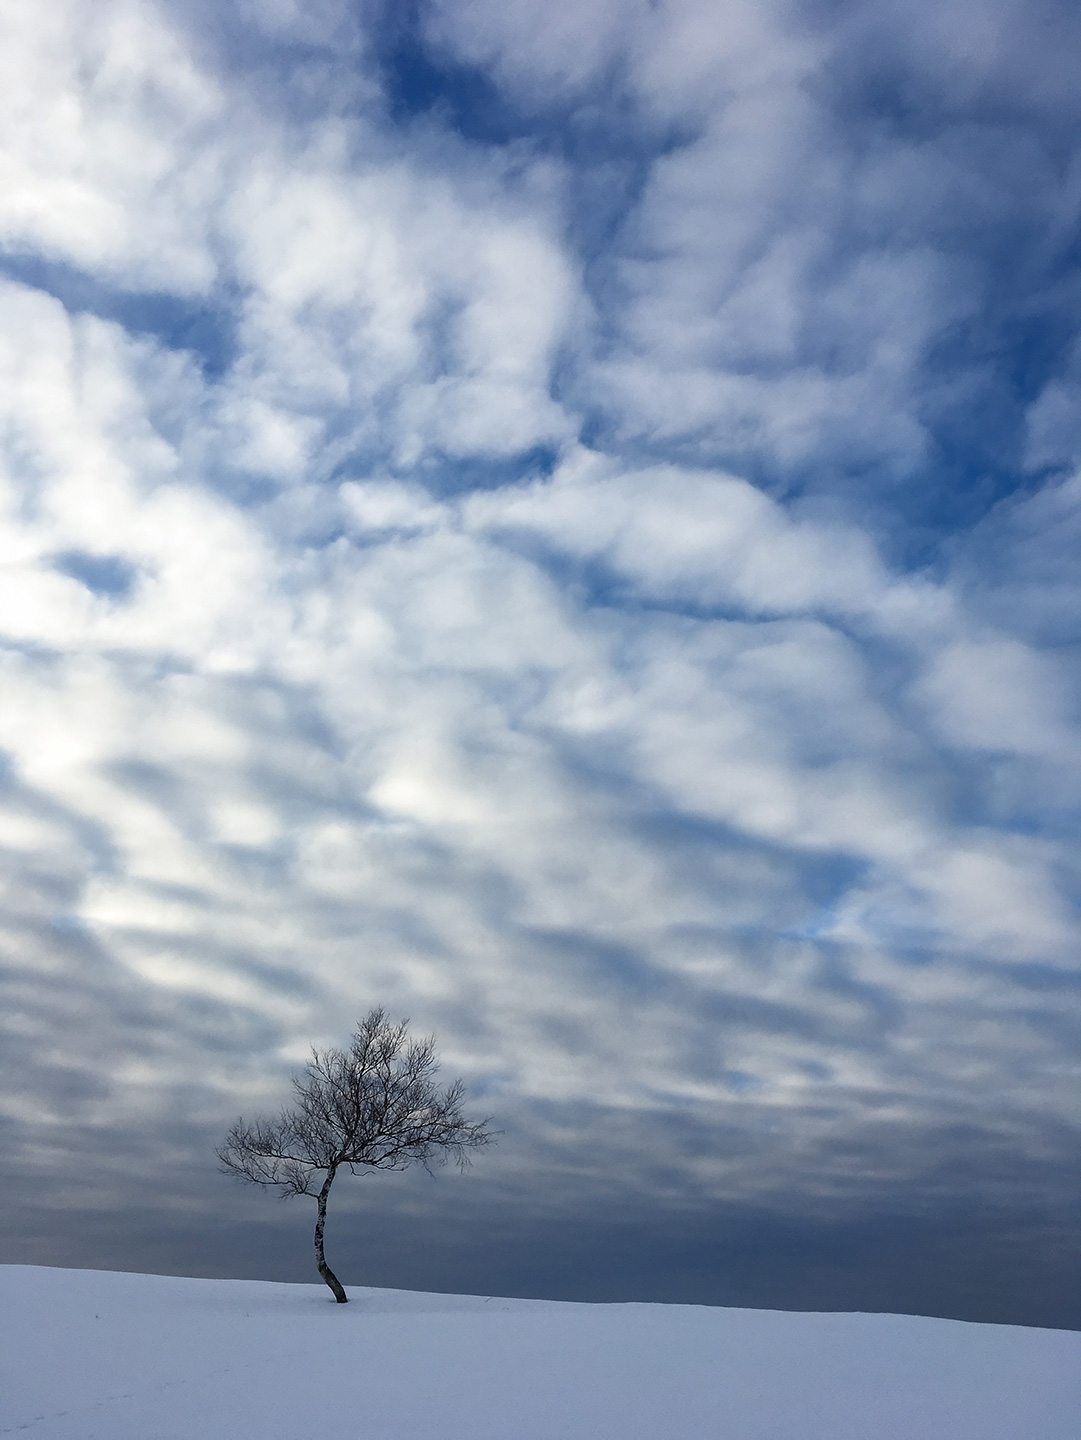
{"x":561,"y":522}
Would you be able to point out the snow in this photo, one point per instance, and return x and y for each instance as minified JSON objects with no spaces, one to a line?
{"x":93,"y":1355}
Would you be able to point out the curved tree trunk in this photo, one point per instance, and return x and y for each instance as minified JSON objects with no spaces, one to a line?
{"x":320,"y":1259}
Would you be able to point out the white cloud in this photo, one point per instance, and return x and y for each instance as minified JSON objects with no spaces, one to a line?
{"x":707,"y":539}
{"x":630,"y":780}
{"x":107,"y":120}
{"x":391,"y":293}
{"x":1001,"y":695}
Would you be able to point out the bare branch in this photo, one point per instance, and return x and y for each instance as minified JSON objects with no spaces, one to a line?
{"x":375,"y":1105}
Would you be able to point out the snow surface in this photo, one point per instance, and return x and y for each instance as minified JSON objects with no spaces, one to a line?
{"x":92,"y":1355}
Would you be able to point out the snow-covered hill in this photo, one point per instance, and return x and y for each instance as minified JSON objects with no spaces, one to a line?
{"x":92,"y":1355}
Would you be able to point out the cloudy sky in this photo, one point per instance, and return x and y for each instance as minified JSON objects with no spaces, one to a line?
{"x":562,"y":521}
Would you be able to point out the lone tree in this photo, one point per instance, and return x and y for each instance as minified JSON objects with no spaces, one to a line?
{"x":375,"y":1104}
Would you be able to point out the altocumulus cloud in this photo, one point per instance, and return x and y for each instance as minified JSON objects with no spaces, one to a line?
{"x":568,"y":531}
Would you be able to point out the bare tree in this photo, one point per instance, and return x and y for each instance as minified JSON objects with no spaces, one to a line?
{"x":375,"y":1104}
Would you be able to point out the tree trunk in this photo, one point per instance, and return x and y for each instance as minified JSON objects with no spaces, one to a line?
{"x":320,"y":1259}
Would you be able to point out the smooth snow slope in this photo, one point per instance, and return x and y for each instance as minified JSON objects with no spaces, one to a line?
{"x":91,"y":1355}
